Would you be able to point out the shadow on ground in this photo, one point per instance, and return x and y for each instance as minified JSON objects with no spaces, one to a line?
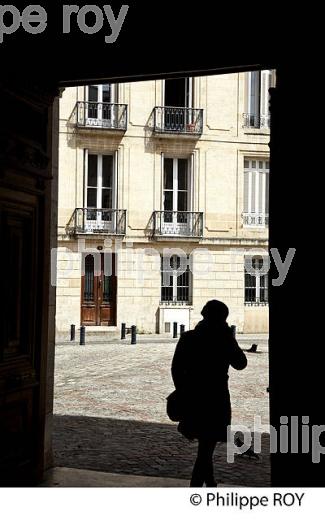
{"x":148,"y":449}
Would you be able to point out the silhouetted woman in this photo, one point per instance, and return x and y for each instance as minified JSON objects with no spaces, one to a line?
{"x":200,"y":374}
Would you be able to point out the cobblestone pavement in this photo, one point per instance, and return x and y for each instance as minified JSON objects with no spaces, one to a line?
{"x":110,"y":413}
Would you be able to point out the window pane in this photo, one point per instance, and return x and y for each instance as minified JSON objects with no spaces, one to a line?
{"x":182,"y":174}
{"x":182,"y":201}
{"x":107,"y":171}
{"x":250,"y":288}
{"x":107,"y":289}
{"x":92,"y":170}
{"x":182,"y":279}
{"x":182,"y":294}
{"x":93,"y":93}
{"x":264,"y":289}
{"x":257,"y":262}
{"x":107,"y":93}
{"x":91,"y":198}
{"x":175,"y":262}
{"x":166,"y":294}
{"x":166,"y":291}
{"x":168,"y":174}
{"x":106,"y":199}
{"x":168,"y":200}
{"x":89,"y":278}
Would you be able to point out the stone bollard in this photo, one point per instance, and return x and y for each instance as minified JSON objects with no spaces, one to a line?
{"x":133,"y":335}
{"x":175,"y":329}
{"x":82,"y":336}
{"x":123,"y":330}
{"x":72,"y":332}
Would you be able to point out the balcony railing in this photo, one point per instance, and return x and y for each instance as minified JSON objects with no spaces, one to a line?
{"x":97,"y":221}
{"x":111,"y":116}
{"x":178,"y":120}
{"x":178,"y":224}
{"x":256,"y":121}
{"x":255,"y":219}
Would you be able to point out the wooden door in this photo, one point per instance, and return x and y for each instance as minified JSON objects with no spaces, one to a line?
{"x":98,"y":289}
{"x":27,"y":230}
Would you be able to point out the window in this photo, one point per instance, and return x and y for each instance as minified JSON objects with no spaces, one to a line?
{"x":176,"y":219}
{"x":175,"y":285}
{"x":179,"y":92}
{"x":99,"y":191}
{"x":176,"y":185}
{"x":256,"y":285}
{"x":258,"y":85}
{"x":100,"y":174}
{"x":256,"y":192}
{"x":100,"y":105}
{"x":178,"y":114}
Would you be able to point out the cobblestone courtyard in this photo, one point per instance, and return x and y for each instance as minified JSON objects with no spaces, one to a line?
{"x":110,"y":413}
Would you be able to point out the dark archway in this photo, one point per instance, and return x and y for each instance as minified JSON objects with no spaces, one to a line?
{"x":28,"y":159}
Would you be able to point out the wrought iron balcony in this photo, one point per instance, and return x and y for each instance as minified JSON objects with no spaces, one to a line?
{"x":110,"y":116}
{"x":178,"y":120}
{"x":91,"y":221}
{"x":177,"y":224}
{"x":256,"y":121}
{"x":255,"y":219}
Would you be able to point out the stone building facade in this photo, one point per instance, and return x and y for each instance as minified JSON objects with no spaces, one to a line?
{"x":163,"y":202}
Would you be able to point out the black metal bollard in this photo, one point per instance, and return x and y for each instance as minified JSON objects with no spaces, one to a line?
{"x":233,"y":330}
{"x":175,"y":329}
{"x":72,"y":332}
{"x":82,"y":336}
{"x":182,"y":329}
{"x":123,"y":330}
{"x":133,"y":335}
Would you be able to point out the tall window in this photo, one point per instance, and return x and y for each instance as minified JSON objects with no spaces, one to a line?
{"x":99,"y":191}
{"x":256,"y":192}
{"x":100,"y":105}
{"x":100,"y":181}
{"x":176,"y":185}
{"x":256,"y":285}
{"x":175,"y":285}
{"x":178,"y":114}
{"x":258,"y":85}
{"x":179,"y":92}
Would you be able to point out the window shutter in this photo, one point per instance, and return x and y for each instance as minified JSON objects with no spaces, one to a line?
{"x":115,"y":180}
{"x":261,"y":192}
{"x":267,"y":180}
{"x":85,"y":178}
{"x":266,"y":76}
{"x":246,"y":192}
{"x":254,"y":89}
{"x":253,"y":191}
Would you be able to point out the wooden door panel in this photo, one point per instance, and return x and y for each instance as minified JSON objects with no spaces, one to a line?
{"x":89,"y":285}
{"x":98,"y":293}
{"x":19,"y":360}
{"x":17,"y":448}
{"x":89,"y":315}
